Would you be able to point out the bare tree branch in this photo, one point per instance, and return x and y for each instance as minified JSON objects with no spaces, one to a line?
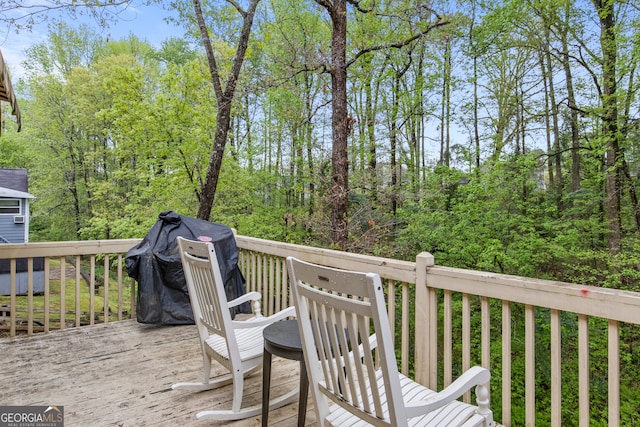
{"x":356,"y":4}
{"x":18,"y":15}
{"x":238,"y":8}
{"x":399,"y":44}
{"x":211,"y":57}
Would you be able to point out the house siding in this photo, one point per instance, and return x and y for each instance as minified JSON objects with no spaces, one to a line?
{"x":22,"y":283}
{"x":14,"y":185}
{"x":10,"y":231}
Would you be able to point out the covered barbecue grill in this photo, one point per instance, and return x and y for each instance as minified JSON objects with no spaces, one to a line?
{"x":155,"y":264}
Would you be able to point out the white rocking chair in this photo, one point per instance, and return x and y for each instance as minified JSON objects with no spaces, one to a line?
{"x":343,"y":320}
{"x":236,"y":345}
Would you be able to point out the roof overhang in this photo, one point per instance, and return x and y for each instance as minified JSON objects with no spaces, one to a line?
{"x":6,"y":91}
{"x":15,"y":194}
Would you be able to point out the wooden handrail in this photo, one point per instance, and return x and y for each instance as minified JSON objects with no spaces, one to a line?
{"x":445,"y":319}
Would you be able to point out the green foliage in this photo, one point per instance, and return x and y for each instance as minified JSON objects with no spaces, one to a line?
{"x":14,"y":151}
{"x":496,"y":221}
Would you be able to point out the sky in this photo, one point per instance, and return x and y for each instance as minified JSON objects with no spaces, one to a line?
{"x":145,"y":22}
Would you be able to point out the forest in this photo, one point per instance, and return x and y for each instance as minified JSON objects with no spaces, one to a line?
{"x":497,"y":135}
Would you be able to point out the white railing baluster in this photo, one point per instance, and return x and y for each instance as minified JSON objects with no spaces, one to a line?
{"x":30,"y":296}
{"x":404,"y":345}
{"x":105,"y":266}
{"x":485,"y":334}
{"x":506,"y":363}
{"x":466,"y":339}
{"x":391,"y":304}
{"x":556,"y":370}
{"x":63,"y":293}
{"x":13,"y":299}
{"x":77,"y":289}
{"x":614,"y":373}
{"x":583,"y":369}
{"x":119,"y":283}
{"x":47,"y":295}
{"x":530,"y":365}
{"x":448,"y":339}
{"x":92,"y":289}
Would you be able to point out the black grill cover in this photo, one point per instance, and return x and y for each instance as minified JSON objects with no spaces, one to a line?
{"x":163,"y":297}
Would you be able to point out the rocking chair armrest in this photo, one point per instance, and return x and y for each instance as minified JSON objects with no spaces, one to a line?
{"x":472,"y":377}
{"x":264,"y":321}
{"x":373,"y":343}
{"x":249,"y":296}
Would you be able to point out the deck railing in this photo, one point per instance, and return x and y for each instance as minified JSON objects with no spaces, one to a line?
{"x":102,"y":278}
{"x":530,"y":333}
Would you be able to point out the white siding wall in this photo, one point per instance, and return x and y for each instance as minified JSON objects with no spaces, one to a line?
{"x":15,"y":233}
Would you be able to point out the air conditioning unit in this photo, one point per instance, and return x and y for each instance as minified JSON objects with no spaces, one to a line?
{"x":18,"y":219}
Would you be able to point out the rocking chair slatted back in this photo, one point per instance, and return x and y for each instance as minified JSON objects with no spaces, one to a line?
{"x":207,"y":289}
{"x":351,"y":363}
{"x":238,"y":345}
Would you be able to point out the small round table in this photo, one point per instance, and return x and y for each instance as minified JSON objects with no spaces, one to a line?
{"x":283,"y":339}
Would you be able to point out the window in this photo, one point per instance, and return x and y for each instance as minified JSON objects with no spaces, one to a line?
{"x":10,"y":206}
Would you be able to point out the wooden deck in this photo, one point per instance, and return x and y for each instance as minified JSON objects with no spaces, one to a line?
{"x":120,"y":374}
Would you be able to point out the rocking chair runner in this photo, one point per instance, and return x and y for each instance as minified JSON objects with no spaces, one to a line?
{"x":236,"y":345}
{"x":337,"y":312}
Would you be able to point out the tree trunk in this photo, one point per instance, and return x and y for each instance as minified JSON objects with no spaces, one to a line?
{"x":370,"y":116}
{"x":476,"y":130}
{"x":547,"y":122}
{"x":571,"y":100}
{"x":445,"y":138}
{"x":393,"y":138}
{"x":309,"y":141}
{"x":339,"y":154}
{"x":224,"y":99}
{"x":633,"y":195}
{"x":559,"y":183}
{"x":608,"y":44}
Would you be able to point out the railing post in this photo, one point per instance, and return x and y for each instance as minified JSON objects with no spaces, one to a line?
{"x":423,"y":329}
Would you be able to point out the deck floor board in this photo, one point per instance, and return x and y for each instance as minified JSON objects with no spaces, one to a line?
{"x":120,"y":374}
